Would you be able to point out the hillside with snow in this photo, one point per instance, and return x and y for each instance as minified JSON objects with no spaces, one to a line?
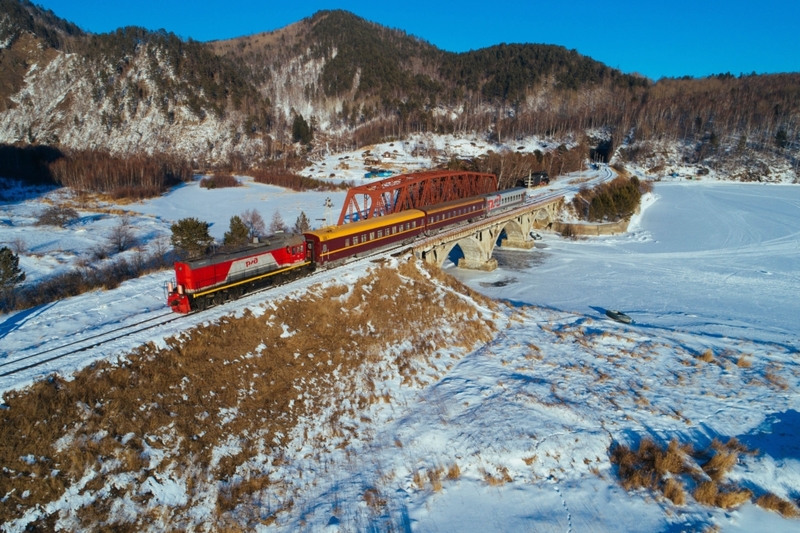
{"x":350,"y":83}
{"x":386,"y":396}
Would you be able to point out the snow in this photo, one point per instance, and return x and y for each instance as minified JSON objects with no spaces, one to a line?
{"x":529,"y":417}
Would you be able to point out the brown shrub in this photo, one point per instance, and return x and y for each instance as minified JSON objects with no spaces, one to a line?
{"x":673,"y":490}
{"x":649,"y":464}
{"x":720,"y":464}
{"x":774,"y":379}
{"x":773,"y":502}
{"x":295,"y":182}
{"x":374,"y":500}
{"x":706,"y":493}
{"x":219,"y":181}
{"x":500,"y":478}
{"x":454,"y":472}
{"x":670,"y":460}
{"x":435,"y":478}
{"x":733,"y":498}
{"x":610,"y":201}
{"x":707,"y":356}
{"x":724,"y":459}
{"x":419,"y":479}
{"x":139,"y":176}
{"x":57,"y":215}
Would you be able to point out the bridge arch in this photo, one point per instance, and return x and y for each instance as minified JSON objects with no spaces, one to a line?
{"x":478,"y":240}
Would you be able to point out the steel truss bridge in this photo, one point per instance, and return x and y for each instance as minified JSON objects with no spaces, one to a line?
{"x":412,"y":191}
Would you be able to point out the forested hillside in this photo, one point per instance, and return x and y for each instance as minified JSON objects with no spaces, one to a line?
{"x":343,"y":81}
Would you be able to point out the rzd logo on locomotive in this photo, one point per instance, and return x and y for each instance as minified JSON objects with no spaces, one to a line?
{"x":251,"y":262}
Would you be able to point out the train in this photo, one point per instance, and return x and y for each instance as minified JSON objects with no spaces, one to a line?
{"x":227,"y":275}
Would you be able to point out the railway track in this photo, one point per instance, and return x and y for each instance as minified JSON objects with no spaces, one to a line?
{"x":9,"y":368}
{"x":26,"y":362}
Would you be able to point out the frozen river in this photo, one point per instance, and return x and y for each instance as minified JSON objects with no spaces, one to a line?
{"x":722,"y":259}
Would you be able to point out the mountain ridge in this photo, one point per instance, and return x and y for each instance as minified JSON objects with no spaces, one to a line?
{"x":356,"y":82}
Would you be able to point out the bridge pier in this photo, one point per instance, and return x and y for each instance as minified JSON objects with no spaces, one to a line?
{"x":518,"y":232}
{"x":517,"y":245}
{"x":437,"y":254}
{"x":478,"y":248}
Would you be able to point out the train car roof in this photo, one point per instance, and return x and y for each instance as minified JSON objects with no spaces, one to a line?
{"x":344,"y":230}
{"x":265,"y":244}
{"x":504,"y":192}
{"x":451,"y":204}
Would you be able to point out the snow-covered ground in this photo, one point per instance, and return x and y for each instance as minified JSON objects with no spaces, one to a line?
{"x":417,"y":152}
{"x":529,"y":417}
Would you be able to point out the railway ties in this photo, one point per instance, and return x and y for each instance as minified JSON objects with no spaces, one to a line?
{"x":27,"y":362}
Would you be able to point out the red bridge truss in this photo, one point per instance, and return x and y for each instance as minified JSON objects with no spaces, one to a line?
{"x":411,"y":191}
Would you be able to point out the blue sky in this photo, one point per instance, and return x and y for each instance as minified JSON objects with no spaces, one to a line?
{"x":655,"y":38}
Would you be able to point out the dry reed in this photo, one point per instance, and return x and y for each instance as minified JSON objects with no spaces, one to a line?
{"x":775,"y":503}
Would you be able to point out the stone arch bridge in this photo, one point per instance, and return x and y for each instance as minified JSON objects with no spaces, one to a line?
{"x":478,"y":240}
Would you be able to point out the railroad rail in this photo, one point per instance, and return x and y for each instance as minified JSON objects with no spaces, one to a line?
{"x":116,"y":333}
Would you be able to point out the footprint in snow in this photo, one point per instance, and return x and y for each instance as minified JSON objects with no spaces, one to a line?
{"x":563,"y":504}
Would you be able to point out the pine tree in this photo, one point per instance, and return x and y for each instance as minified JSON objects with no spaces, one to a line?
{"x":238,"y":234}
{"x":190,"y":237}
{"x":10,"y":273}
{"x":302,"y":224}
{"x":301,"y":132}
{"x":781,"y":139}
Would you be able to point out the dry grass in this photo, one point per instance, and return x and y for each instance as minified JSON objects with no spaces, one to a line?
{"x":773,"y":502}
{"x":435,"y":478}
{"x":673,"y":490}
{"x":706,"y":493}
{"x":774,"y":379}
{"x":646,"y":467}
{"x":733,"y":497}
{"x":720,"y":464}
{"x":660,"y":470}
{"x":178,"y":396}
{"x":724,"y":458}
{"x":707,"y":356}
{"x":453,"y":472}
{"x":375,"y":500}
{"x":500,"y":478}
{"x":419,"y":479}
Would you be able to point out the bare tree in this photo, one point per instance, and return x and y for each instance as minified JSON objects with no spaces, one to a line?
{"x":277,"y":224}
{"x":19,"y":246}
{"x":121,"y":237}
{"x":255,"y":224}
{"x":57,"y":215}
{"x":161,"y":248}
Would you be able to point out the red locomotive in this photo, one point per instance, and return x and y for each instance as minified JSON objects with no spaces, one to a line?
{"x":226,"y":276}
